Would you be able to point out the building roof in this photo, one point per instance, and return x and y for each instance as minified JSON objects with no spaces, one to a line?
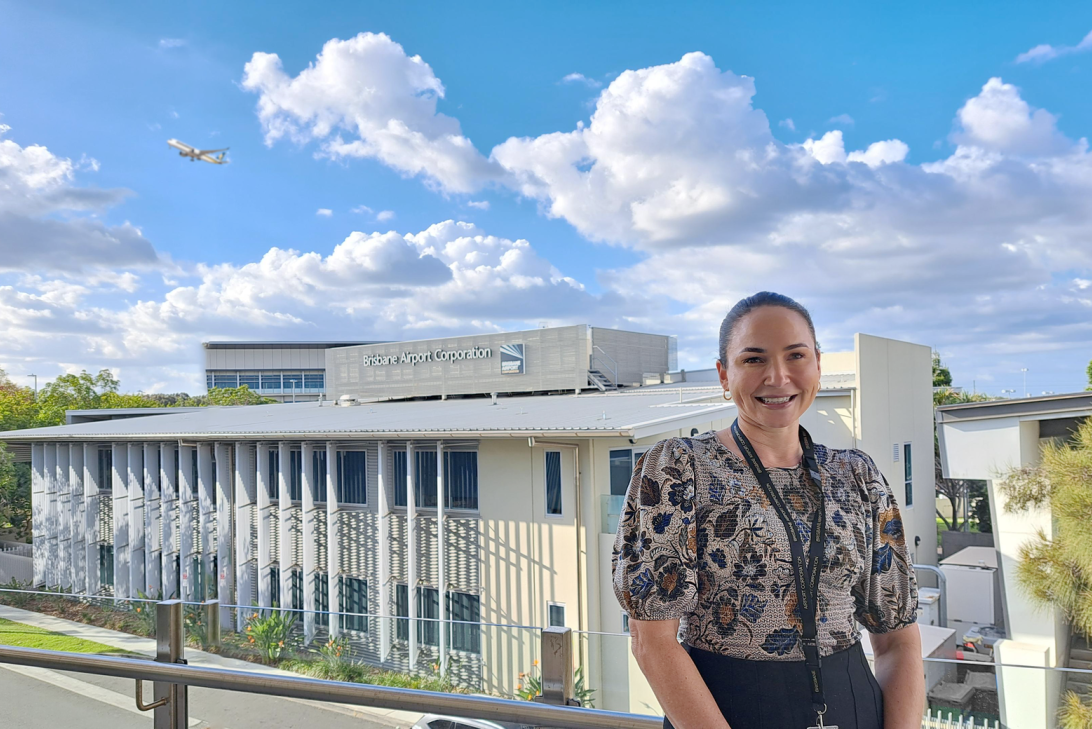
{"x":1028,"y":408}
{"x":284,"y":345}
{"x":626,"y":414}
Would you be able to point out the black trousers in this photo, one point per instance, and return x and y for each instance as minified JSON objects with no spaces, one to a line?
{"x":775,"y":694}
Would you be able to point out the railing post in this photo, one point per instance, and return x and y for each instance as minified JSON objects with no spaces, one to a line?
{"x":211,"y":610}
{"x":170,"y":642}
{"x":557,"y":667}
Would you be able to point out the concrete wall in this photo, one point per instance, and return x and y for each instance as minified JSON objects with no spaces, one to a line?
{"x":556,"y":359}
{"x":272,"y":358}
{"x":894,"y":407}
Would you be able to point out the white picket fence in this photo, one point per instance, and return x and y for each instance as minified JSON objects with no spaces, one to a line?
{"x":948,"y":721}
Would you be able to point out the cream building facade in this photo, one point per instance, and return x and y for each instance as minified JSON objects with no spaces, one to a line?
{"x":506,"y":507}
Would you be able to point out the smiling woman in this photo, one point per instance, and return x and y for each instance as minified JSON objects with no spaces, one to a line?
{"x":765,"y":575}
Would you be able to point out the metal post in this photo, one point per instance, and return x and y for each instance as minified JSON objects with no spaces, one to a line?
{"x":211,"y":610}
{"x":170,"y":648}
{"x":942,"y":583}
{"x":557,"y":667}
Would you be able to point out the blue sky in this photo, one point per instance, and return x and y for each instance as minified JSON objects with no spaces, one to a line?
{"x":674,"y":205}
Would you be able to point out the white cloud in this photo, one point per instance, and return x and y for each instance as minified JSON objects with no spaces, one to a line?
{"x":370,"y":88}
{"x":787,"y":124}
{"x":44,"y":224}
{"x":999,"y":119}
{"x":843,"y":120}
{"x":167,"y":43}
{"x":579,"y":78}
{"x":361,"y":209}
{"x":324,"y":212}
{"x":449,"y":278}
{"x":881,"y":153}
{"x":384,"y":215}
{"x":479,"y":204}
{"x":1045,"y":52}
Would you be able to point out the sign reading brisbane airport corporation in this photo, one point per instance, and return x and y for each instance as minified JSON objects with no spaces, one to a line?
{"x":511,"y":357}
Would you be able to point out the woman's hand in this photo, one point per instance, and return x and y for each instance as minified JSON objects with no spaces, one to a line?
{"x":901,"y":674}
{"x":675,"y":680}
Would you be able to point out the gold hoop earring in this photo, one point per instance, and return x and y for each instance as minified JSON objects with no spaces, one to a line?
{"x":727,"y":395}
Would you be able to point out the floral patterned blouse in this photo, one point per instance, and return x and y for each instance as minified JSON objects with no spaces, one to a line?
{"x":699,"y":541}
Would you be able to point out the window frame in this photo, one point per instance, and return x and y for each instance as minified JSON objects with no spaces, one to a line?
{"x":400,"y":479}
{"x":635,"y":453}
{"x":560,"y":513}
{"x":550,"y":607}
{"x":339,"y":482}
{"x":908,"y":474}
{"x":352,"y":622}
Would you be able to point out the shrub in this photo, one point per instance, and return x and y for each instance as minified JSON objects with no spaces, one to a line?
{"x":272,"y":634}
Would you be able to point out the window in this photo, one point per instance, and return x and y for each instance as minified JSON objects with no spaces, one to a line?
{"x":225,"y":379}
{"x":295,"y":588}
{"x":401,"y":610}
{"x":621,"y":471}
{"x":553,"y":482}
{"x":295,"y":475}
{"x":106,"y":564}
{"x":555,"y":617}
{"x":442,"y":724}
{"x":274,"y":587}
{"x":354,"y":599}
{"x":461,"y":479}
{"x":398,"y":465}
{"x":270,"y":382}
{"x":463,"y":610}
{"x":215,"y":476}
{"x":428,"y":607}
{"x":314,"y":380}
{"x":249,"y":380}
{"x":292,"y":382}
{"x":464,"y":635}
{"x":318,"y":472}
{"x":106,"y":469}
{"x":273,"y":480}
{"x":424,"y":477}
{"x":907,"y":463}
{"x":193,"y":472}
{"x":625,"y":622}
{"x":352,"y":477}
{"x":322,"y":598}
{"x":208,"y":380}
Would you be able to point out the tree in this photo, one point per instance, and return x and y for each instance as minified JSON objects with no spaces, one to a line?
{"x":1089,"y":371}
{"x":73,"y":392}
{"x":17,"y":407}
{"x":941,"y":376}
{"x":1057,"y":571}
{"x":15,"y":506}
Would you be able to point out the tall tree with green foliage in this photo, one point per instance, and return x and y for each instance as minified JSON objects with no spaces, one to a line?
{"x":1089,"y":371}
{"x":1057,"y":571}
{"x":15,"y":507}
{"x":942,"y":377}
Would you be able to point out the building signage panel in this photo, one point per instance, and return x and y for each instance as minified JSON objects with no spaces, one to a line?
{"x":513,"y":361}
{"x":416,"y":358}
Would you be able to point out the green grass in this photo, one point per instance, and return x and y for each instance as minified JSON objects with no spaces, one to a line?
{"x":28,"y":636}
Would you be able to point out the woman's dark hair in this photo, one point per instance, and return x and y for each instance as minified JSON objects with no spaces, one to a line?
{"x":746,"y":306}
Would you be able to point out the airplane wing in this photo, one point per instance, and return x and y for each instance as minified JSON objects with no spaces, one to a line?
{"x":210,"y":151}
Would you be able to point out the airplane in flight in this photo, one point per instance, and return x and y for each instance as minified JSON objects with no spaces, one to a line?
{"x":205,"y":155}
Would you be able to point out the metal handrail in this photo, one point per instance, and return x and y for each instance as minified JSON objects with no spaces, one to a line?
{"x":611,"y":364}
{"x":942,"y":585}
{"x":320,"y":690}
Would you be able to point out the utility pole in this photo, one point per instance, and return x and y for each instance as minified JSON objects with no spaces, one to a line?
{"x":1025,"y":371}
{"x":35,"y":386}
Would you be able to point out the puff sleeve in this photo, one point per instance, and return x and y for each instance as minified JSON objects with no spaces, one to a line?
{"x":886,"y":597}
{"x":655,"y":551}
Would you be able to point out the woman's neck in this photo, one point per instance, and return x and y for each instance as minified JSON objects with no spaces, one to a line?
{"x":775,"y":447}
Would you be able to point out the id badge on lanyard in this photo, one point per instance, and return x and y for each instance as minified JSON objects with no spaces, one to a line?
{"x":806,"y":559}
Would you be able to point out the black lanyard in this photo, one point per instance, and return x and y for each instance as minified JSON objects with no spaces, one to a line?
{"x":806,"y":570}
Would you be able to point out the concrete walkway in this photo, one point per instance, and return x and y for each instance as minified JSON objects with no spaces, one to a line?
{"x":146,"y":646}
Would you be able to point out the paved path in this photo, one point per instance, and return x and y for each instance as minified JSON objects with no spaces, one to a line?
{"x":228,"y":709}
